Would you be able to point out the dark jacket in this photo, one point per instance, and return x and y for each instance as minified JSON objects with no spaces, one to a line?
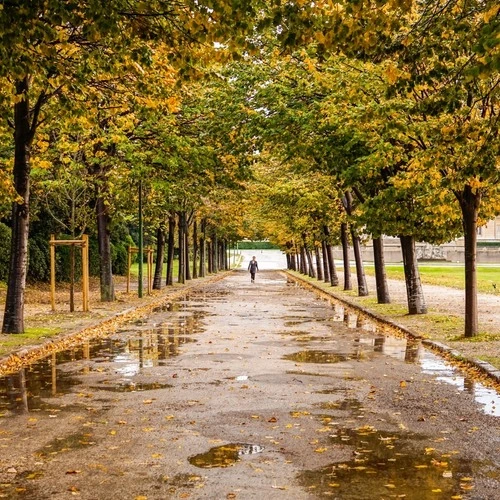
{"x":252,"y":267}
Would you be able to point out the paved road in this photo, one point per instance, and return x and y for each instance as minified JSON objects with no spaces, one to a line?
{"x":247,"y":391}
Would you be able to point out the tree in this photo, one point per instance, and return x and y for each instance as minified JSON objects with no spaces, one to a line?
{"x":60,"y":48}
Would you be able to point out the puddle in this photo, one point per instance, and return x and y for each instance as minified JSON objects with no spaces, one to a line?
{"x":183,"y":481}
{"x":295,"y":333}
{"x":350,"y":405}
{"x":488,"y":398}
{"x":316,"y":356}
{"x":225,"y":455}
{"x":388,"y":465}
{"x":41,"y":385}
{"x":305,"y":374}
{"x":60,"y":445}
{"x":28,"y":389}
{"x":298,"y":322}
{"x":130,"y":387}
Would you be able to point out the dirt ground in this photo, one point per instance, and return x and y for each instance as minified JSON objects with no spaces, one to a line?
{"x":246,"y":391}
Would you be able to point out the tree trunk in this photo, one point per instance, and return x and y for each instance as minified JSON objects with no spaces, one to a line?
{"x":345,"y":254}
{"x":414,"y":292}
{"x":104,"y":240}
{"x":220,"y":256}
{"x":326,"y":272}
{"x":311,"y":273}
{"x":210,"y":256}
{"x":203,"y":251}
{"x":360,"y":269}
{"x":160,"y":255}
{"x":303,"y":261}
{"x":195,"y":249}
{"x":319,"y":265}
{"x":187,"y":268}
{"x":469,"y":204}
{"x":13,"y":319}
{"x":215,"y":256}
{"x":332,"y":270}
{"x":383,"y":296}
{"x":169,"y":281}
{"x":181,"y":276}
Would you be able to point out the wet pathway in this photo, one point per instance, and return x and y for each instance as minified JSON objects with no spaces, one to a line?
{"x":248,"y":391}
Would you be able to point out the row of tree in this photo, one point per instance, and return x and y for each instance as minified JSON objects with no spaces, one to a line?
{"x":97,"y":98}
{"x":312,"y":123}
{"x":379,"y":121}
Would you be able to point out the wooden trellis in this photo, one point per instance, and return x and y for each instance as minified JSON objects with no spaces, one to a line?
{"x":84,"y":245}
{"x":149,"y":268}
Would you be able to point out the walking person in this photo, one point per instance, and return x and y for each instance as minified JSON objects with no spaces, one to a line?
{"x":253,"y":267}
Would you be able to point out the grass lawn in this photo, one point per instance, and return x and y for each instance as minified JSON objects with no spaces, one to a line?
{"x":452,"y":275}
{"x":30,"y":337}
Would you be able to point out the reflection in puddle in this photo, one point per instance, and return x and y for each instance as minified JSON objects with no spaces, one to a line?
{"x":225,"y":455}
{"x":350,"y":405}
{"x":388,"y":465}
{"x":297,"y":333}
{"x":297,"y":322}
{"x":41,"y":385}
{"x":315,"y":356}
{"x":352,"y":319}
{"x":130,"y":387}
{"x":68,"y":443}
{"x":183,"y":481}
{"x":363,"y":349}
{"x":488,"y":398}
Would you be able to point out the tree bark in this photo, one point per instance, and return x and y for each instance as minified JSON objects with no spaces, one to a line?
{"x":319,"y":264}
{"x":310,"y":265}
{"x":203,"y":251}
{"x":187,"y":267}
{"x":215,"y":256}
{"x":360,"y":268}
{"x":383,"y":296}
{"x":13,"y":319}
{"x":210,"y":257}
{"x":169,"y":281}
{"x":356,"y":245}
{"x":303,"y":261}
{"x":332,"y":270}
{"x":181,"y":276}
{"x":160,"y":256}
{"x":104,"y":240}
{"x":345,"y":254}
{"x":470,"y":202}
{"x":414,"y":291}
{"x":195,"y":249}
{"x":326,"y":272}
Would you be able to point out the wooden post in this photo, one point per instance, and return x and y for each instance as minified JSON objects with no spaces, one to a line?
{"x":85,"y":272}
{"x":84,"y":245}
{"x":52,"y":272}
